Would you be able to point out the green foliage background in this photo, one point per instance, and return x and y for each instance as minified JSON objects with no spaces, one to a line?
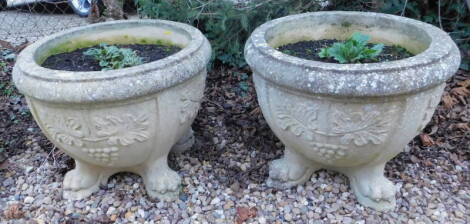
{"x":228,"y":26}
{"x":224,"y":24}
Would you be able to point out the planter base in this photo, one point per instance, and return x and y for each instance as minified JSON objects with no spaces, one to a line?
{"x":160,"y":181}
{"x":372,"y":189}
{"x":289,"y":171}
{"x":368,"y":182}
{"x":83,"y":180}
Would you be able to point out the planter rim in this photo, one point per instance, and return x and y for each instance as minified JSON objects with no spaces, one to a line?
{"x":441,"y":52}
{"x":149,"y":77}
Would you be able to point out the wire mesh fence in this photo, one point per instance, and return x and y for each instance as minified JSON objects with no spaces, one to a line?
{"x":29,"y":20}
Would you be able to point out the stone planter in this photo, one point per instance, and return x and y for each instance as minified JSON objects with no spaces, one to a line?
{"x":118,"y":120}
{"x":351,"y":118}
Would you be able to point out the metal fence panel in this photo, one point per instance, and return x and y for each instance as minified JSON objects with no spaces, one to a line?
{"x":29,"y":20}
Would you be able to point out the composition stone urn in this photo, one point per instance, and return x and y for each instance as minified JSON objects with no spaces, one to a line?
{"x":350,"y":118}
{"x":118,"y":120}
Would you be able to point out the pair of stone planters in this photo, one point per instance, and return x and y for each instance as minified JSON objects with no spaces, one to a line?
{"x":350,"y":118}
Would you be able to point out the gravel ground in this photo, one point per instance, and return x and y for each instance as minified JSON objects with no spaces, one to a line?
{"x":224,"y":173}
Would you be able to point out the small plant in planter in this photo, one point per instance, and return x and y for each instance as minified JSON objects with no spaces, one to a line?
{"x":355,"y":49}
{"x":110,"y":57}
{"x":352,"y":50}
{"x":125,"y":119}
{"x":338,"y":102}
{"x":113,"y":57}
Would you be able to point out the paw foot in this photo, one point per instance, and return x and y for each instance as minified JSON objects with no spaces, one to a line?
{"x":284,"y":174}
{"x":375,"y":192}
{"x":163,"y":184}
{"x":79,"y":184}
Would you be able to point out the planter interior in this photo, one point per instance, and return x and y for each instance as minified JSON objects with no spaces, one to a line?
{"x":126,"y":34}
{"x":381,"y":30}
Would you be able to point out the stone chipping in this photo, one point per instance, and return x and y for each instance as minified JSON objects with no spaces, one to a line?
{"x":326,"y":198}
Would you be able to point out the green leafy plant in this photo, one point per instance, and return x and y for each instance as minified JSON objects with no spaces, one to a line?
{"x":352,"y":50}
{"x":112,"y":57}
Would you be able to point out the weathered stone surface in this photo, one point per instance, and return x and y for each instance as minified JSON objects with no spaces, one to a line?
{"x":118,"y":120}
{"x":351,"y":118}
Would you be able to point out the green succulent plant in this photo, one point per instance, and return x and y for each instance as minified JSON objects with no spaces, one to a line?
{"x":112,"y":57}
{"x":353,"y":50}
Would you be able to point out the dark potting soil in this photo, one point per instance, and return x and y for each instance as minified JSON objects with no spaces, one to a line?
{"x":77,"y":61}
{"x":309,"y":50}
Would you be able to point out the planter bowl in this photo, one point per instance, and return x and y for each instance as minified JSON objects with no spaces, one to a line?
{"x":351,"y":118}
{"x":118,"y":120}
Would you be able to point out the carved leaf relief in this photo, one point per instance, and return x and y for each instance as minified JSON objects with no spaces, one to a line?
{"x":300,"y":120}
{"x":124,"y":130}
{"x":358,"y":127}
{"x":361,"y":127}
{"x":66,"y":131}
{"x":115,"y":130}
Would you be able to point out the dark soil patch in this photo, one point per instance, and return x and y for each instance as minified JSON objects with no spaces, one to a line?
{"x":309,"y":50}
{"x":77,"y":61}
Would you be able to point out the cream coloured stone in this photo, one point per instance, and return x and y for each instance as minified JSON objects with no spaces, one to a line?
{"x":351,"y":118}
{"x":118,"y":120}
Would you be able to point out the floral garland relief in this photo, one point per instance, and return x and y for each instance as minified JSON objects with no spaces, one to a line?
{"x":357,"y":127}
{"x":113,"y":130}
